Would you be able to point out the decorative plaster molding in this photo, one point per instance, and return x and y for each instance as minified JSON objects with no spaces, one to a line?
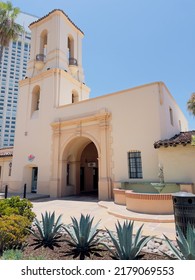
{"x":101,"y":117}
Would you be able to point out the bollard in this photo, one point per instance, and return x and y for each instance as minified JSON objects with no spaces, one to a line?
{"x":6,"y":191}
{"x":24,"y":194}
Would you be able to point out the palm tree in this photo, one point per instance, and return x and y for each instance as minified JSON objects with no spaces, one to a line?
{"x":191,"y":104}
{"x":9,"y":29}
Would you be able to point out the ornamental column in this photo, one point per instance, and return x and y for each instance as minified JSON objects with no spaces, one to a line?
{"x":104,"y":158}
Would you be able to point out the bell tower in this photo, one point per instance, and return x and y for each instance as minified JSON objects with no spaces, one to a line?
{"x":54,"y":82}
{"x":57,"y":44}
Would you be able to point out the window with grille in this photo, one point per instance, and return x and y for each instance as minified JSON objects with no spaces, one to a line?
{"x":135,"y":165}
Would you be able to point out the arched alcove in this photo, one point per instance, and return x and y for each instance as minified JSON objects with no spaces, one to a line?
{"x":75,"y":96}
{"x":35,"y":99}
{"x":80,"y":167}
{"x":70,"y":47}
{"x":43,"y":42}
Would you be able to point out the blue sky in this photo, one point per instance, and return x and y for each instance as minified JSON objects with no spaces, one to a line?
{"x":132,"y":42}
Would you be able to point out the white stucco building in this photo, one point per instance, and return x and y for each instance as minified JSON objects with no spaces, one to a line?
{"x":67,"y":143}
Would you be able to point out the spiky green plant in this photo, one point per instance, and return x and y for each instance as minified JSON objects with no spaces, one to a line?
{"x":82,"y":237}
{"x":186,"y":244}
{"x":47,"y":232}
{"x":127,"y":246}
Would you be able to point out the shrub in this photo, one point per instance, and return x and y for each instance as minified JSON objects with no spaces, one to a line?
{"x":18,"y":255}
{"x":13,"y":232}
{"x":17,"y":206}
{"x":12,"y":255}
{"x":82,"y":237}
{"x":47,"y":233}
{"x":127,"y":246}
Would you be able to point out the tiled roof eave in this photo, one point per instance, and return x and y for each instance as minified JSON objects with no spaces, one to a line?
{"x":182,"y":139}
{"x":174,"y":144}
{"x":57,"y":10}
{"x":5,"y":155}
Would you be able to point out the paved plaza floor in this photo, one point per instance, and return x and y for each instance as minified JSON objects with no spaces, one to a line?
{"x":107,"y":213}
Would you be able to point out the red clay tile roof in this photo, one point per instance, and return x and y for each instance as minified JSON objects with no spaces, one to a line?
{"x":53,"y":11}
{"x":6,"y":152}
{"x":183,"y":138}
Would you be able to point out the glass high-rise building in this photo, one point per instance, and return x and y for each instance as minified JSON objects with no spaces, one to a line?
{"x":13,"y":68}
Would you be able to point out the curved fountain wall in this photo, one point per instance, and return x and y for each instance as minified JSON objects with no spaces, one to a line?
{"x":149,"y":203}
{"x":143,"y":198}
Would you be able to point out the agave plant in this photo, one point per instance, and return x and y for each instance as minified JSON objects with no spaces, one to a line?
{"x":126,"y":245}
{"x":186,"y":244}
{"x":47,"y":232}
{"x":82,"y":237}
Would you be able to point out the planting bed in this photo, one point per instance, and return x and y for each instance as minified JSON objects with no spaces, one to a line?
{"x":59,"y":253}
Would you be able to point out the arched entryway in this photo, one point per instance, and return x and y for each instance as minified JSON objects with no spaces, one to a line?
{"x":80,"y":167}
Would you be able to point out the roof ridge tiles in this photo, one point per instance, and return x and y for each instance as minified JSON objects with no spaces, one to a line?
{"x":183,"y":138}
{"x":53,"y":11}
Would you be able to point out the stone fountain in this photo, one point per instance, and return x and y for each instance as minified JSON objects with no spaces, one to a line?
{"x":160,"y":186}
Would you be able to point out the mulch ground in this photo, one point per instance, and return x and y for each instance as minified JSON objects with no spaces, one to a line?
{"x":61,"y":253}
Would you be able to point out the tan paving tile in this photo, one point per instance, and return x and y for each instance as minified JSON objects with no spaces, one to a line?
{"x":107,"y":219}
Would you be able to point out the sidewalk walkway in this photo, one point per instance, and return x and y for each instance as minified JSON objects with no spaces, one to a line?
{"x":107,"y":213}
{"x":30,"y":196}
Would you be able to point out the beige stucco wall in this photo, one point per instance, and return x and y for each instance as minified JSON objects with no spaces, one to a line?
{"x":180,"y":123}
{"x":116,"y":123}
{"x":33,"y":131}
{"x":4,"y":172}
{"x":179,"y":163}
{"x":133,"y":124}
